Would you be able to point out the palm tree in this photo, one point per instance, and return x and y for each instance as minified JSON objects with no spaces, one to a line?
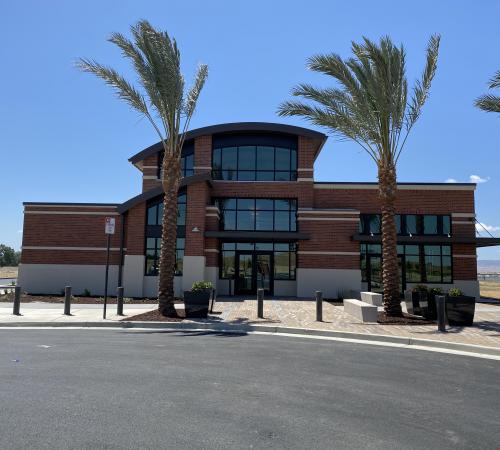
{"x":490,"y":102}
{"x":162,"y":99}
{"x":370,"y":106}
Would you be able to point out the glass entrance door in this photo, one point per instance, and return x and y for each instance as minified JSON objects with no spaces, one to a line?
{"x":244,"y":273}
{"x":254,"y":270}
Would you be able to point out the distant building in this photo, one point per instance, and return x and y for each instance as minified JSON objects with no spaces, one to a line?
{"x":251,"y":215}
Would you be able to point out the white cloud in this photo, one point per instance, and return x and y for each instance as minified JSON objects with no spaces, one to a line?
{"x":478,"y":179}
{"x":451,"y":180}
{"x":482,"y":226}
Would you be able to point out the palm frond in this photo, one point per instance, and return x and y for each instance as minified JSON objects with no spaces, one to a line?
{"x":488,"y":103}
{"x":156,"y":60}
{"x":370,"y":102}
{"x":422,"y":87}
{"x":495,"y":81}
{"x":194,"y":92}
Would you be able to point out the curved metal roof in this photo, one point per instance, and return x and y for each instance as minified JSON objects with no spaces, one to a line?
{"x":238,"y":127}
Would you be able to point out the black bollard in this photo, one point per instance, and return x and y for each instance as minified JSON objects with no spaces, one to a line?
{"x":260,"y":303}
{"x":319,"y":306}
{"x":17,"y":301}
{"x":119,"y":301}
{"x":441,"y":312}
{"x":67,"y":301}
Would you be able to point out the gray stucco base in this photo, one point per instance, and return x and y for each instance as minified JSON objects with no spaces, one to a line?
{"x":52,"y":278}
{"x":332,"y":282}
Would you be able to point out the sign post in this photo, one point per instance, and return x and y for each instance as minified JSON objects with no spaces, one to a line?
{"x":109,"y":229}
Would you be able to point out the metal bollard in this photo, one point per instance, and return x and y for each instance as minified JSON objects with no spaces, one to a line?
{"x":319,"y":306}
{"x":119,"y":301}
{"x":17,"y":301}
{"x":67,"y":301}
{"x":441,"y":312}
{"x":260,"y":303}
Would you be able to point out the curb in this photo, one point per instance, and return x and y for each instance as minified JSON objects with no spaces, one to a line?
{"x":226,"y":328}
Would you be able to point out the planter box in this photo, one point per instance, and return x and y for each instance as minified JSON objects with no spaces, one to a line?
{"x":460,"y":310}
{"x":416,"y":302}
{"x":421,"y":304}
{"x":372,"y":298}
{"x":196,"y":304}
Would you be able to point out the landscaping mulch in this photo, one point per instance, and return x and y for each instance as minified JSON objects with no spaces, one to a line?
{"x":28,"y":298}
{"x":407,"y":319}
{"x":154,"y":316}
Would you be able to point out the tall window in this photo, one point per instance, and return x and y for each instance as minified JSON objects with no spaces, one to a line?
{"x":154,"y":216}
{"x":254,"y":163}
{"x":418,"y":263}
{"x":258,"y":214}
{"x":284,"y":255}
{"x":406,"y":224}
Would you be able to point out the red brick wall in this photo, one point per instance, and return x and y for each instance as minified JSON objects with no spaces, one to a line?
{"x":203,"y":153}
{"x":53,"y":226}
{"x":408,"y":201}
{"x":197,"y":200}
{"x":135,"y":235}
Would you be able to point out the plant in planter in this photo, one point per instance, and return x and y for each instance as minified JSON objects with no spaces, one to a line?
{"x":431,"y":303}
{"x":196,"y":300}
{"x":416,"y":300}
{"x":460,"y":308}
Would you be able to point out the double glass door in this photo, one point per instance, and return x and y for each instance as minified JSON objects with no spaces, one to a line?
{"x":254,"y":270}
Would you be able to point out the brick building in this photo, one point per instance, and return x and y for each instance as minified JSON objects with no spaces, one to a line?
{"x":251,"y":215}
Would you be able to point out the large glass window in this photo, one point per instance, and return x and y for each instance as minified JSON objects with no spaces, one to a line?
{"x":419,"y":263}
{"x":284,"y":256}
{"x":153,"y":246}
{"x":258,"y":214}
{"x":408,"y":224}
{"x":154,"y":216}
{"x":254,"y":163}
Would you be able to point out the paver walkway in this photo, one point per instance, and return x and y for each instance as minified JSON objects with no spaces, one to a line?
{"x":282,"y":312}
{"x":302,"y":313}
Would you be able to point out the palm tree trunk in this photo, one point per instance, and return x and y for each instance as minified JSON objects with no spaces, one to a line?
{"x":166,"y":273}
{"x":390,"y":271}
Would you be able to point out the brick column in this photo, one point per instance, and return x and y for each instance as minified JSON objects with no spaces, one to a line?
{"x":203,"y":154}
{"x":194,"y":253}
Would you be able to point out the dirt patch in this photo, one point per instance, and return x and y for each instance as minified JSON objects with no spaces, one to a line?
{"x":154,"y":316}
{"x":28,"y":298}
{"x":490,"y":289}
{"x":407,"y":319}
{"x":8,"y":272}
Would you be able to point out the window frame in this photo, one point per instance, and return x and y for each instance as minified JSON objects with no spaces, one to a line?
{"x":291,"y":212}
{"x":421,"y":255}
{"x":292,"y":171}
{"x":364,"y":222}
{"x":251,"y":247}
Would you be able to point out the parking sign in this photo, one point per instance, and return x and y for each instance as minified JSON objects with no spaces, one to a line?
{"x":109,"y":227}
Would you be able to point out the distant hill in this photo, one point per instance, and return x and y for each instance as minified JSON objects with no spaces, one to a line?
{"x":488,"y":265}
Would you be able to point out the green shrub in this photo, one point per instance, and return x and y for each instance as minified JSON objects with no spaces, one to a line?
{"x":436,"y":291}
{"x":420,"y":288}
{"x":201,"y":286}
{"x":86,"y":293}
{"x":455,"y":292}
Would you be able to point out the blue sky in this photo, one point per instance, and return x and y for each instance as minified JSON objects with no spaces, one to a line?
{"x":65,"y":137}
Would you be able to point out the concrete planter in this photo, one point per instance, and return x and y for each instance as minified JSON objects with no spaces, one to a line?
{"x":372,"y":298}
{"x":196,"y":303}
{"x":460,"y":310}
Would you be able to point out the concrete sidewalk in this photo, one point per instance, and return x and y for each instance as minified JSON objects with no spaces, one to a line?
{"x":53,"y":312}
